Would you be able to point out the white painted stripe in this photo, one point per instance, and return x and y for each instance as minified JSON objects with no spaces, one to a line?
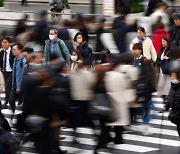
{"x":157,"y":99}
{"x":28,"y":153}
{"x":164,"y":122}
{"x":158,"y":122}
{"x":164,"y":132}
{"x":134,"y":148}
{"x":154,"y":140}
{"x":80,"y":130}
{"x":7,"y":111}
{"x":159,"y":105}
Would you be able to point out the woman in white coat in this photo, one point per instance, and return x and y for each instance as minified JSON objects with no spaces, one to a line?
{"x":117,"y":86}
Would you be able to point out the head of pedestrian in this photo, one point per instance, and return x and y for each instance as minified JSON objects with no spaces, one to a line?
{"x":79,"y":38}
{"x":162,"y":6}
{"x":53,"y":34}
{"x":27,"y":52}
{"x":141,"y":33}
{"x":6,"y":42}
{"x":17,"y":49}
{"x":166,"y":43}
{"x":177,"y":19}
{"x":137,"y":50}
{"x":76,"y":56}
{"x":43,"y":14}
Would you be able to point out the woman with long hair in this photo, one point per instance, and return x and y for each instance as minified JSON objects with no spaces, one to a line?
{"x":164,"y":82}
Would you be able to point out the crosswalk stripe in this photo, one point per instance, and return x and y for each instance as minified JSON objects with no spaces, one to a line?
{"x":134,"y":148}
{"x":153,"y":140}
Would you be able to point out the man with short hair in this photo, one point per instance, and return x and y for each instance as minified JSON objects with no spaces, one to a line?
{"x":56,"y":46}
{"x":17,"y":74}
{"x":6,"y":64}
{"x":175,"y":31}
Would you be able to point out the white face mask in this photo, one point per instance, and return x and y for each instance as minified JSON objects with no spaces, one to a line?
{"x":175,"y":81}
{"x":51,"y":37}
{"x":74,"y":58}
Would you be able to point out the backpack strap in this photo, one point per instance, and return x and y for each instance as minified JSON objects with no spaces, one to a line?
{"x":62,"y":52}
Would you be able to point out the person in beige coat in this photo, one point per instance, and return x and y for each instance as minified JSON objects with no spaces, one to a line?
{"x":148,"y":48}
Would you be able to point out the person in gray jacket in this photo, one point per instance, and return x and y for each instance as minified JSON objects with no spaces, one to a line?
{"x":55,"y":46}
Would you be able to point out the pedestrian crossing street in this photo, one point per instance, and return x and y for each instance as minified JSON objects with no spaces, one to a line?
{"x":135,"y":142}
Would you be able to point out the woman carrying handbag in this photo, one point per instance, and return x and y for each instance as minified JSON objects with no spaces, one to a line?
{"x":163,"y":60}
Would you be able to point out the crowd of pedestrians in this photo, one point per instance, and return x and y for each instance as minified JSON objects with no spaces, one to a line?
{"x":55,"y":78}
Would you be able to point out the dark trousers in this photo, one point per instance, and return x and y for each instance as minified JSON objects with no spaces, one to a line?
{"x":13,"y":97}
{"x":104,"y":136}
{"x":178,"y":129}
{"x":43,"y":140}
{"x":8,"y":85}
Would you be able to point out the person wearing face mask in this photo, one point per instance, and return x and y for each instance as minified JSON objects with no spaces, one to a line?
{"x":83,"y":47}
{"x":76,"y":59}
{"x":173,"y":98}
{"x":55,"y":46}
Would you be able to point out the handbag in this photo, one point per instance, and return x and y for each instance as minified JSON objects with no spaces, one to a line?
{"x":174,"y":117}
{"x":102,"y":106}
{"x":165,"y":66}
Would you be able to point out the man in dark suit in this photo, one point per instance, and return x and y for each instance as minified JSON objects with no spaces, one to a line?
{"x":6,"y":63}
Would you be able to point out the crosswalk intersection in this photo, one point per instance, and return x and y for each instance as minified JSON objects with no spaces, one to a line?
{"x":135,"y":142}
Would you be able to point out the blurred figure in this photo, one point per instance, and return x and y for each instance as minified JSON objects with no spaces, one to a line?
{"x":160,"y":12}
{"x":82,"y":27}
{"x":122,"y":7}
{"x":42,"y":27}
{"x":105,"y":57}
{"x":144,"y":85}
{"x":82,"y":84}
{"x":2,"y":87}
{"x":164,"y":82}
{"x":33,"y":42}
{"x":151,"y":6}
{"x":60,"y":99}
{"x":24,"y":36}
{"x":21,"y":25}
{"x":158,"y":33}
{"x":117,"y":85}
{"x":36,"y":89}
{"x":57,"y":46}
{"x":57,"y":6}
{"x":6,"y":64}
{"x":104,"y":136}
{"x":64,"y":35}
{"x":148,"y":48}
{"x":99,"y":45}
{"x":175,"y":58}
{"x":83,"y":47}
{"x":76,"y":60}
{"x":173,"y":98}
{"x":17,"y":74}
{"x":121,"y":29}
{"x":175,"y":31}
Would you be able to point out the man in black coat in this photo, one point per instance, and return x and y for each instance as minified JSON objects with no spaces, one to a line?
{"x":6,"y":64}
{"x":175,"y":32}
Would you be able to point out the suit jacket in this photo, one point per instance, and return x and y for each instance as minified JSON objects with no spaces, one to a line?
{"x":11,"y":59}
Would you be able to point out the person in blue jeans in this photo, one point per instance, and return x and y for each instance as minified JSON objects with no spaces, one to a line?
{"x":146,"y":78}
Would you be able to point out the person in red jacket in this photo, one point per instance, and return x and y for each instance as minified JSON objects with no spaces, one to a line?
{"x":158,"y":33}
